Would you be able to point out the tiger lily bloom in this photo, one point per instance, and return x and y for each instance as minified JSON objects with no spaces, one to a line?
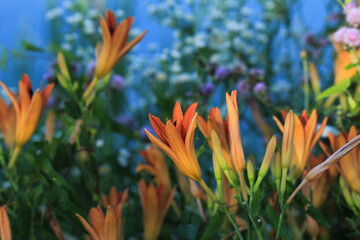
{"x":28,"y":111}
{"x":215,"y":122}
{"x":177,"y":139}
{"x":305,"y":138}
{"x":236,"y":150}
{"x":113,"y":47}
{"x":349,"y":165}
{"x":103,"y":227}
{"x":156,"y":165}
{"x":114,"y":199}
{"x":7,"y":123}
{"x":5,"y":229}
{"x":155,"y":203}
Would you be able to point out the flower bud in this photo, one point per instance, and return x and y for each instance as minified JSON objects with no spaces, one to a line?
{"x":250,"y":170}
{"x":288,"y":140}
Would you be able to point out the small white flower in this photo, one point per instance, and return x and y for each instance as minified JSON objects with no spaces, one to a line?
{"x":75,"y":172}
{"x":104,"y":169}
{"x":119,"y":13}
{"x":245,"y":11}
{"x":74,"y":19}
{"x":67,"y":4}
{"x":93,"y":13}
{"x":161,"y":76}
{"x":152,"y":47}
{"x":53,"y":13}
{"x":89,"y":26}
{"x":99,"y":143}
{"x":176,"y":67}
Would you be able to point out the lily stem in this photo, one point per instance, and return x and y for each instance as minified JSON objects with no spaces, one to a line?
{"x":14,"y":156}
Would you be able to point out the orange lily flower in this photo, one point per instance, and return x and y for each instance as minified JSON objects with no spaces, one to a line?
{"x":305,"y":138}
{"x":216,"y":122}
{"x":113,"y":48}
{"x":5,"y":229}
{"x":28,"y":110}
{"x":114,"y":199}
{"x":7,"y":123}
{"x":114,"y":42}
{"x":155,"y":203}
{"x":156,"y":165}
{"x":103,"y":227}
{"x":236,"y":149}
{"x":177,"y":139}
{"x":349,"y":165}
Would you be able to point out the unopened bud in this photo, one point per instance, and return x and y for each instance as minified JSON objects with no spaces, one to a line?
{"x":251,"y":170}
{"x":217,"y":170}
{"x":217,"y":151}
{"x":270,"y":150}
{"x":288,"y":140}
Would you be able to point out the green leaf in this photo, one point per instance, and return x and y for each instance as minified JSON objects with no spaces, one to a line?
{"x":351,"y":65}
{"x":337,"y":88}
{"x":212,"y":228}
{"x":31,"y":47}
{"x":317,"y":215}
{"x":256,"y":203}
{"x":271,"y":216}
{"x":24,"y":216}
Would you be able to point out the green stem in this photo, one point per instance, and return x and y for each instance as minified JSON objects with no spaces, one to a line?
{"x":14,"y":156}
{"x":232,"y":220}
{"x":90,"y":88}
{"x":208,"y":191}
{"x":280,"y":221}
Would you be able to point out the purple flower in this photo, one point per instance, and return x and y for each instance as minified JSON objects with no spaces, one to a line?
{"x":243,"y":87}
{"x":48,"y":76}
{"x":352,"y":37}
{"x":339,"y":34}
{"x":353,"y":16}
{"x":256,"y":73}
{"x":90,"y":68}
{"x":221,"y":73}
{"x":207,"y":88}
{"x":323,"y":41}
{"x":126,"y":120}
{"x":117,"y":82}
{"x":189,"y":93}
{"x":239,"y":69}
{"x":260,"y":88}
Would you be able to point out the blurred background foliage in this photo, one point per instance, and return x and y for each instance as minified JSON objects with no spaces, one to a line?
{"x":195,"y":51}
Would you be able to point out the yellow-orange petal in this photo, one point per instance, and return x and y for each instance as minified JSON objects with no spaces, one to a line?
{"x":45,"y":95}
{"x":110,"y":225}
{"x":28,"y":123}
{"x":158,"y":127}
{"x":177,"y":115}
{"x":236,"y":150}
{"x":130,"y":45}
{"x":88,"y":228}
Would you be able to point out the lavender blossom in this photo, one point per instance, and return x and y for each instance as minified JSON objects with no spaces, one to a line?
{"x":221,"y":73}
{"x":353,"y":16}
{"x":117,"y":82}
{"x":260,"y":88}
{"x":207,"y":89}
{"x":243,"y":87}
